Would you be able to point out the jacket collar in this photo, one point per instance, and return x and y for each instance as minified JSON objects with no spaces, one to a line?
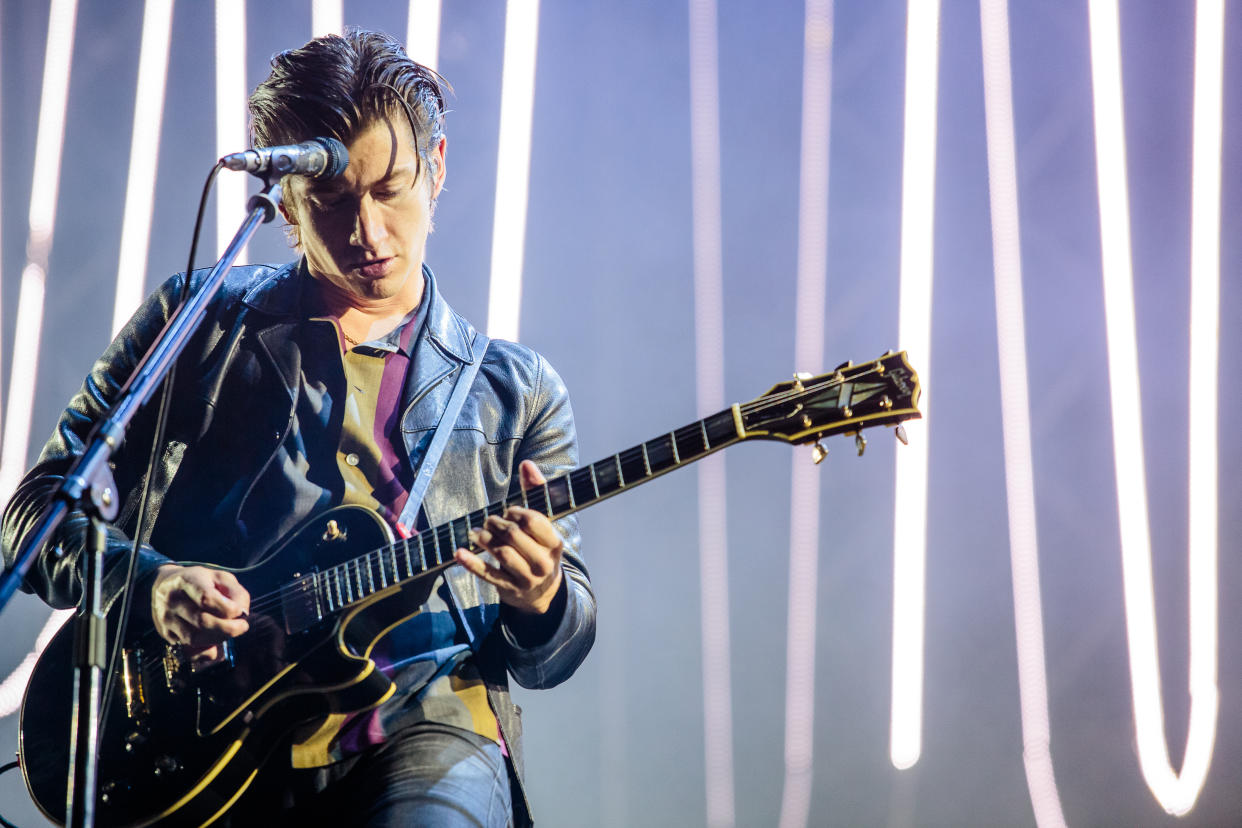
{"x":280,"y":292}
{"x":451,"y":334}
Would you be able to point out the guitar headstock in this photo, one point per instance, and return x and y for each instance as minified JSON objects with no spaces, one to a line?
{"x":845,"y":401}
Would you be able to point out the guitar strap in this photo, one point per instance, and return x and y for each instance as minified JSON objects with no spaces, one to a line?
{"x":444,"y":429}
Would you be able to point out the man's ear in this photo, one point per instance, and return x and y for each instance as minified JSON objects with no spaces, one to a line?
{"x":438,"y":184}
{"x":289,"y":214}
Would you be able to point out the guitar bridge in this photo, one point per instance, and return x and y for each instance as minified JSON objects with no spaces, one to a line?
{"x":176,"y":664}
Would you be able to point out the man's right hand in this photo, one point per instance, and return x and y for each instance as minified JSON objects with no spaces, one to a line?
{"x":198,"y":607}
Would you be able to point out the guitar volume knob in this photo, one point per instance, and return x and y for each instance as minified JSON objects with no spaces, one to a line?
{"x":166,"y":765}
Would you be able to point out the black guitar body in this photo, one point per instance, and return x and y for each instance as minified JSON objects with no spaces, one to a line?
{"x":180,"y":745}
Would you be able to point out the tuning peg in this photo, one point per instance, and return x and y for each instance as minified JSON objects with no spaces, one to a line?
{"x":900,"y":431}
{"x":818,"y":452}
{"x":861,"y":442}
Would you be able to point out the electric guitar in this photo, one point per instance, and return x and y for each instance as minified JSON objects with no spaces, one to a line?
{"x":180,"y":744}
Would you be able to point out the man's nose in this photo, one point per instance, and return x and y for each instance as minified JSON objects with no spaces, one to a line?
{"x":368,"y":226}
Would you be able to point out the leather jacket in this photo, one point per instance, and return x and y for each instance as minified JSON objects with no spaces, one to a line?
{"x":234,"y":400}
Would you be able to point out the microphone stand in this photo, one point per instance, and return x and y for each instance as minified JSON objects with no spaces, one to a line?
{"x":89,"y":486}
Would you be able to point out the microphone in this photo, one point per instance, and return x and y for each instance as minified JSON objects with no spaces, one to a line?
{"x":317,"y":158}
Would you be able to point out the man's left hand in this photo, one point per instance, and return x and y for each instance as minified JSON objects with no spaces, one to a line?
{"x":527,"y":549}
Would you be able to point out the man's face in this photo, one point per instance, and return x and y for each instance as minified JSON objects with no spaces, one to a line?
{"x":364,"y":231}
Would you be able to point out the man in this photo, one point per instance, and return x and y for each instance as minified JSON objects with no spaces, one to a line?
{"x":320,"y":383}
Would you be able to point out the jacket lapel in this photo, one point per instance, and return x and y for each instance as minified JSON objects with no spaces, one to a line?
{"x":279,"y":296}
{"x":444,"y":346}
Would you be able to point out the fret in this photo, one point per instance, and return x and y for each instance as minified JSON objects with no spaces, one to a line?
{"x":435,"y":538}
{"x":620,"y":474}
{"x":646,"y":460}
{"x":560,"y":496}
{"x":581,"y":486}
{"x":314,"y":578}
{"x":409,"y":562}
{"x":569,"y":488}
{"x":633,"y":464}
{"x":383,"y":574}
{"x":672,"y":438}
{"x":606,"y":477}
{"x":721,"y":429}
{"x":452,"y":542}
{"x":685,"y":441}
{"x":594,"y":481}
{"x":661,"y":453}
{"x":370,"y":577}
{"x":707,"y":445}
{"x":326,"y":591}
{"x":347,"y":598}
{"x":540,"y":500}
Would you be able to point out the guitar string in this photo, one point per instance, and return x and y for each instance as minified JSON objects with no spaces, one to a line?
{"x":380,"y":556}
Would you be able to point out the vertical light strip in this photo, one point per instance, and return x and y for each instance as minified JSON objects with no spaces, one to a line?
{"x":709,"y":389}
{"x":230,"y":118}
{"x":45,"y":184}
{"x":14,"y":685}
{"x":1015,"y":414}
{"x":517,"y":102}
{"x":808,"y":356}
{"x":422,"y":41}
{"x":1203,"y":515}
{"x":327,"y":17}
{"x":1176,"y":793}
{"x":914,"y":335}
{"x":144,"y":153}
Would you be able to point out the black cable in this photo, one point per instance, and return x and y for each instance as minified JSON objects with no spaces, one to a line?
{"x":153,"y":462}
{"x":4,"y":823}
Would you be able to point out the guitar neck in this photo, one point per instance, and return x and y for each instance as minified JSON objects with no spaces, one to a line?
{"x":576,"y":490}
{"x":334,"y":588}
{"x":844,"y":401}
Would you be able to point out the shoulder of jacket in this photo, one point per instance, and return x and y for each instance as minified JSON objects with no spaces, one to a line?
{"x":237,"y":282}
{"x":521,"y":363}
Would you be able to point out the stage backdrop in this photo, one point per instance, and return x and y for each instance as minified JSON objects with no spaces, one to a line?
{"x":718,"y":197}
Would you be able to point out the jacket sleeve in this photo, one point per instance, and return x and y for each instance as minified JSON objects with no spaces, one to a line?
{"x":55,"y":574}
{"x":545,"y":653}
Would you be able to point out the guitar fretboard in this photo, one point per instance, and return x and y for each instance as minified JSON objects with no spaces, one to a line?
{"x":315,"y":596}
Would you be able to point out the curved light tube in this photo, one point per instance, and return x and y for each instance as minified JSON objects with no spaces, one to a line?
{"x":1175,"y":792}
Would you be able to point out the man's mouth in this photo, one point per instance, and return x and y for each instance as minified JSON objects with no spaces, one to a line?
{"x":376,"y":268}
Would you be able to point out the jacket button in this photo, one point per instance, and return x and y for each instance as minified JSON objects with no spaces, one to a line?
{"x":351,"y":459}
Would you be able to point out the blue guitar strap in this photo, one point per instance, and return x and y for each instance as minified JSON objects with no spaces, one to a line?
{"x":444,"y":429}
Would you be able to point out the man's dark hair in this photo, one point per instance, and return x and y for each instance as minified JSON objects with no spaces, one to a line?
{"x":336,"y":84}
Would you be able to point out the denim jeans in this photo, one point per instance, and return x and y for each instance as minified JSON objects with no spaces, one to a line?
{"x":429,"y":774}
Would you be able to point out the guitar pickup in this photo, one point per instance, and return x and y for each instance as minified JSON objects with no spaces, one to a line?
{"x":133,"y":684}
